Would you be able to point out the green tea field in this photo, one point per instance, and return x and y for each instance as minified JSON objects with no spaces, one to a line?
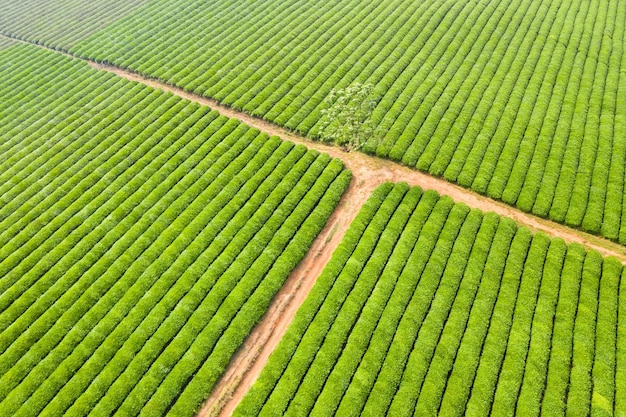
{"x":523,"y":101}
{"x":312,"y":207}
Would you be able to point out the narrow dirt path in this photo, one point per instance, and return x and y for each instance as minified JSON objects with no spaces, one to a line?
{"x":368,"y":173}
{"x":248,"y":363}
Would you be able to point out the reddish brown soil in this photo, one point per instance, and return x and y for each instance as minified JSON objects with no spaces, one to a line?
{"x":368,"y":172}
{"x":248,"y":363}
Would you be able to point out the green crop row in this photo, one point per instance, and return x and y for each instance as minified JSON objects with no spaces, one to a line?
{"x":143,"y":236}
{"x":430,"y":308}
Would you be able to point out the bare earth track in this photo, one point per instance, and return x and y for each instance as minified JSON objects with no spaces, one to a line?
{"x":368,"y":173}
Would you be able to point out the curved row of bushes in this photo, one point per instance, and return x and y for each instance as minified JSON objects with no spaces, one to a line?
{"x":142,"y":237}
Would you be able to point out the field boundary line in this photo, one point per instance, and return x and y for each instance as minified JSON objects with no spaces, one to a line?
{"x":368,"y":173}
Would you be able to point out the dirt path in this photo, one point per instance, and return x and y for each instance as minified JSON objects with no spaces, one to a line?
{"x":248,"y":363}
{"x":368,"y":173}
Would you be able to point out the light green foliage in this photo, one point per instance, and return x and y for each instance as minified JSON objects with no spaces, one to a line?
{"x":620,"y":359}
{"x":430,"y":308}
{"x":5,"y":42}
{"x":142,"y":236}
{"x":347,"y":120}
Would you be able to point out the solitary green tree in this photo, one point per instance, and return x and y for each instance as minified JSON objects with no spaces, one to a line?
{"x":346,"y":121}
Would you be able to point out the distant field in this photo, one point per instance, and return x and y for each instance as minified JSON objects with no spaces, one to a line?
{"x":141,"y":238}
{"x":523,"y":101}
{"x":60,"y":24}
{"x":428,"y":307}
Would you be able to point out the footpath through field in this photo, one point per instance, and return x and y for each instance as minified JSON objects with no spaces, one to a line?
{"x":368,"y":173}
